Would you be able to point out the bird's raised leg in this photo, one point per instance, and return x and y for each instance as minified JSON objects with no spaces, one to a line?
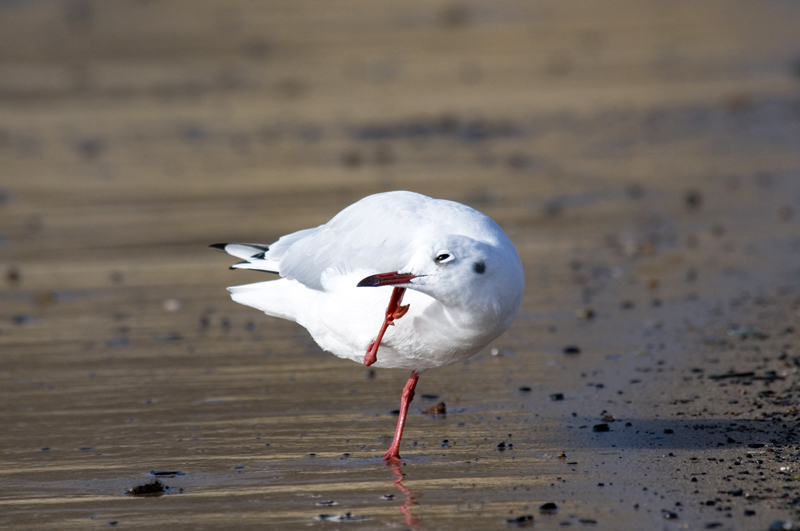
{"x":393,"y":454}
{"x":393,"y":311}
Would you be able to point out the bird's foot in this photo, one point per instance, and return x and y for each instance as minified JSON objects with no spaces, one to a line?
{"x":396,"y":313}
{"x":392,"y":458}
{"x":372,"y":354}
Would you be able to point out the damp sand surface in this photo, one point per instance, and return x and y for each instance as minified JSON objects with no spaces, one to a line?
{"x":644,"y":161}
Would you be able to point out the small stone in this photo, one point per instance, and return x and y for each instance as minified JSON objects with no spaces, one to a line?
{"x":693,"y":199}
{"x":548,"y":508}
{"x":555,"y":397}
{"x":521,"y":521}
{"x":152,"y":489}
{"x":601,"y":428}
{"x":572,"y":349}
{"x":438,"y":409}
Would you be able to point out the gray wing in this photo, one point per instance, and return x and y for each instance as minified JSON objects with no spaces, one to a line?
{"x":377,"y":234}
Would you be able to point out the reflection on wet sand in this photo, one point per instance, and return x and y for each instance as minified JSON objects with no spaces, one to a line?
{"x":410,"y":496}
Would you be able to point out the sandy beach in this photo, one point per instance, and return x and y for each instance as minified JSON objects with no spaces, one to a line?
{"x":644,"y":158}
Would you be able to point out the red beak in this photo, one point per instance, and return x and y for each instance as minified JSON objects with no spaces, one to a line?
{"x":386,"y":279}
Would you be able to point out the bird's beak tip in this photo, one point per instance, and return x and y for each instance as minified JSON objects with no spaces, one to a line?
{"x":386,"y":279}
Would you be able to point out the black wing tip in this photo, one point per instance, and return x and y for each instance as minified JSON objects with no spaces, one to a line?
{"x":218,"y":247}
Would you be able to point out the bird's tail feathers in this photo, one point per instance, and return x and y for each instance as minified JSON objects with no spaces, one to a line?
{"x":278,"y":298}
{"x":253,"y":255}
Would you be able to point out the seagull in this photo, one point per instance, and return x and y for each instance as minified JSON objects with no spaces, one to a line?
{"x":345,"y":281}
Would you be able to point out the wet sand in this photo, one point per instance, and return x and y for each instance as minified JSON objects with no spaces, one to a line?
{"x":643,"y":158}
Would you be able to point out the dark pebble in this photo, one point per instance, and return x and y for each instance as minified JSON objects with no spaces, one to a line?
{"x":601,"y":427}
{"x":525,"y":389}
{"x":548,"y":508}
{"x":668,"y":431}
{"x":438,"y":409}
{"x":749,"y":512}
{"x":668,"y":515}
{"x":428,"y":396}
{"x":713,"y":525}
{"x":693,"y":199}
{"x":555,"y":397}
{"x":166,"y":473}
{"x":572,"y":349}
{"x":524,"y":520}
{"x":586,"y":521}
{"x":736,"y":492}
{"x":13,"y":276}
{"x":152,"y":489}
{"x":22,"y":319}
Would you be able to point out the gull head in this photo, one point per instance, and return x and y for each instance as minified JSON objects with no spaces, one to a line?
{"x":461,"y":272}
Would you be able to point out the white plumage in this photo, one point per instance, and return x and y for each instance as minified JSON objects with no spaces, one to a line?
{"x":463,"y":275}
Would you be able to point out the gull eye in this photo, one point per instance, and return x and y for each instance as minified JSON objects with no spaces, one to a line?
{"x":443,"y":257}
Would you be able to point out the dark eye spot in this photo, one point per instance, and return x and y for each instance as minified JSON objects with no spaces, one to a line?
{"x":442,"y":257}
{"x":479,"y":267}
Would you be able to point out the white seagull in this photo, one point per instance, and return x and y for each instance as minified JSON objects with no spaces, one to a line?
{"x":464,"y":274}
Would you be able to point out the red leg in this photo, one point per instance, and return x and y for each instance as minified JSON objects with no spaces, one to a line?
{"x":393,"y":454}
{"x":393,"y":311}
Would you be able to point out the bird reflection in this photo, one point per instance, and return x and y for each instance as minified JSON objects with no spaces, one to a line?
{"x":410,"y":496}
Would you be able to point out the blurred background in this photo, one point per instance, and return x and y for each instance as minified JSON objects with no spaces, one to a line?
{"x":161,"y":125}
{"x":640,"y":154}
